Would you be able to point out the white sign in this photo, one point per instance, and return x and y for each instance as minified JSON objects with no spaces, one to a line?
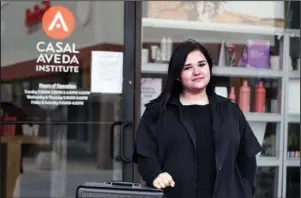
{"x":150,"y":89}
{"x":106,"y":72}
{"x":50,"y":96}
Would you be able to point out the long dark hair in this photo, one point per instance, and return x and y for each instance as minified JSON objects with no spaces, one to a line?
{"x":173,"y":86}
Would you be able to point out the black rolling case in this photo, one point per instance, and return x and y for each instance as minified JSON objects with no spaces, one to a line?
{"x":117,"y":190}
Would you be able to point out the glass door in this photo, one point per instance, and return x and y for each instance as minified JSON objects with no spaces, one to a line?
{"x":67,"y":96}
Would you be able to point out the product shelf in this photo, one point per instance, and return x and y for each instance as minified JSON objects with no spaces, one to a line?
{"x":246,"y":72}
{"x":267,"y":161}
{"x":293,"y":118}
{"x":263,"y":117}
{"x":294,"y":74}
{"x":161,"y":68}
{"x":214,"y":27}
{"x":154,"y":68}
{"x":292,"y":162}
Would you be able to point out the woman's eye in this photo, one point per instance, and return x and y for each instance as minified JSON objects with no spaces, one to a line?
{"x":186,"y":68}
{"x":202,"y":64}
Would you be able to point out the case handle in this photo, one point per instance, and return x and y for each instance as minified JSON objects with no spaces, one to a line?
{"x":121,"y":183}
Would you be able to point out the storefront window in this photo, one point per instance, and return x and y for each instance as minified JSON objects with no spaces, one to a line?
{"x":266,"y":182}
{"x":293,"y":182}
{"x":47,"y":99}
{"x":293,"y":146}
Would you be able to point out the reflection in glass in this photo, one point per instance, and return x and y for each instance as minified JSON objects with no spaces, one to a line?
{"x":293,"y":183}
{"x":293,"y":144}
{"x":56,"y":167}
{"x":14,"y":93}
{"x":269,"y":144}
{"x":74,"y":141}
{"x":266,"y":182}
{"x":294,"y":53}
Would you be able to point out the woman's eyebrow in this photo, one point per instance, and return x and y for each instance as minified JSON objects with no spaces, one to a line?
{"x":189,"y":64}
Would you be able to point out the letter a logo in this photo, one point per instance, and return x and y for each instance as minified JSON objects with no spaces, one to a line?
{"x":58,"y":22}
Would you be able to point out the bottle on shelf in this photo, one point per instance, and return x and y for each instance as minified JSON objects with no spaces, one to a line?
{"x":158,"y":55}
{"x":169,"y":48}
{"x":154,"y":53}
{"x":293,"y":150}
{"x":232,"y":95}
{"x":260,"y":98}
{"x":272,"y":97}
{"x":297,"y":155}
{"x":296,"y":148}
{"x":289,"y":147}
{"x":163,"y":49}
{"x":244,"y":97}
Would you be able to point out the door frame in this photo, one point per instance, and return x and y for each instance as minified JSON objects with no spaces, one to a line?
{"x":130,"y":104}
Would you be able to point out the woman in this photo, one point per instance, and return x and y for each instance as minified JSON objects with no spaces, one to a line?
{"x":191,"y":142}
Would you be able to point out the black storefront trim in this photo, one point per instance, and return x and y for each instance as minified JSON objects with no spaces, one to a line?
{"x":131,"y":79}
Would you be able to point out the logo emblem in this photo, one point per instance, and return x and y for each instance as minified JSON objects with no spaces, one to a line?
{"x":58,"y":22}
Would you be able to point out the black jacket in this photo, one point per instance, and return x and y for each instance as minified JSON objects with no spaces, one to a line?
{"x":168,"y":144}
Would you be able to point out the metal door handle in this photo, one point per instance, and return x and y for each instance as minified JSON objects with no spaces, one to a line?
{"x":112,"y":130}
{"x":120,"y":156}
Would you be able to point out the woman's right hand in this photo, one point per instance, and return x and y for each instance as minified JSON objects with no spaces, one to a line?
{"x":163,"y":180}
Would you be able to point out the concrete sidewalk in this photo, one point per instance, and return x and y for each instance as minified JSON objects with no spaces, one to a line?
{"x":40,"y":183}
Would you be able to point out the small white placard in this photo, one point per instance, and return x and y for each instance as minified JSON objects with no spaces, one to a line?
{"x":150,"y":89}
{"x":106,"y":72}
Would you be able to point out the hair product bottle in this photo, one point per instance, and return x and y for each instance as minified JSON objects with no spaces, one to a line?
{"x":169,"y":48}
{"x":163,"y":49}
{"x":244,"y":97}
{"x":260,"y":98}
{"x":232,"y":95}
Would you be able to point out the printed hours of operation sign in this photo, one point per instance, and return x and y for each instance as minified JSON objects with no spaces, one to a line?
{"x":57,"y":94}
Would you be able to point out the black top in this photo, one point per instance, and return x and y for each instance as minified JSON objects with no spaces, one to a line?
{"x":201,"y":118}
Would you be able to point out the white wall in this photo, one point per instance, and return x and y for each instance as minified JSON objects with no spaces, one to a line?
{"x":105,"y":25}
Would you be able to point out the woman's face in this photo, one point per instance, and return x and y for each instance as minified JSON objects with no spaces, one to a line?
{"x":195,"y":74}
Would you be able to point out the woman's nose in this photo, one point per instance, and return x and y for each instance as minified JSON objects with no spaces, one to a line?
{"x":196,"y":71}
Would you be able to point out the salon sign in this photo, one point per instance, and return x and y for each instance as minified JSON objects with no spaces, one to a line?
{"x":57,"y":56}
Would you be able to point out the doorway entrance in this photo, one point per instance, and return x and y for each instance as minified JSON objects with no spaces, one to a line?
{"x":63,"y":145}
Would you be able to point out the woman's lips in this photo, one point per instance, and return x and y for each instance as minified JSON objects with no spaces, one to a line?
{"x":198,"y":79}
